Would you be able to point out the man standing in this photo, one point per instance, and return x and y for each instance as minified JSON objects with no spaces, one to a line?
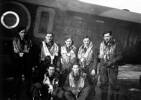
{"x":68,"y":56}
{"x":49,"y":51}
{"x":21,"y":47}
{"x":109,"y":56}
{"x":86,"y":57}
{"x":22,"y":50}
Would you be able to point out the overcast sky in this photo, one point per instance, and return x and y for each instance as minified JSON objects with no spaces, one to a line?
{"x":131,"y":5}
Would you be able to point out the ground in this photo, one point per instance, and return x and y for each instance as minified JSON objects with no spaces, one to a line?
{"x":129,"y":81}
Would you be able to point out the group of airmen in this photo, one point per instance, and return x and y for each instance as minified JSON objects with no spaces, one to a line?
{"x":67,"y":72}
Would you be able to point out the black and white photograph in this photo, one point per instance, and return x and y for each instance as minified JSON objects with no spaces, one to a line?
{"x":70,"y":50}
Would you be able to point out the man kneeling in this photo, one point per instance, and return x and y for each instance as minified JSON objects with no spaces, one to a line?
{"x":76,"y":85}
{"x":51,"y":83}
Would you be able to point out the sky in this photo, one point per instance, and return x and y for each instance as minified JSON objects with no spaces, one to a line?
{"x":131,"y":5}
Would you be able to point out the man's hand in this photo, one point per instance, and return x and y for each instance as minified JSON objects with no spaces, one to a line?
{"x":50,"y":90}
{"x":34,"y":68}
{"x":52,"y":58}
{"x":109,"y":64}
{"x":76,"y":92}
{"x":93,"y":72}
{"x":82,"y":59}
{"x":21,"y":54}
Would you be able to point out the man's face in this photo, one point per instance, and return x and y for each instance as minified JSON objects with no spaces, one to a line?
{"x":51,"y":70}
{"x":75,"y":69}
{"x":22,"y":33}
{"x":68,"y":42}
{"x":107,"y":37}
{"x":49,"y":38}
{"x":86,"y":42}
